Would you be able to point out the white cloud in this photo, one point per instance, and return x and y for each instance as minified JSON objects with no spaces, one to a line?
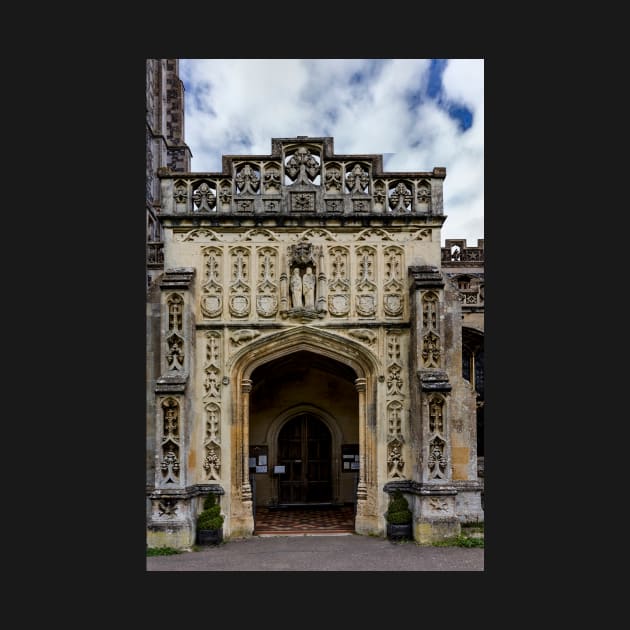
{"x":236,"y":106}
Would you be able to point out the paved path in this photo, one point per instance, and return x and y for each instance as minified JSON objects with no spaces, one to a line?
{"x":321,"y":553}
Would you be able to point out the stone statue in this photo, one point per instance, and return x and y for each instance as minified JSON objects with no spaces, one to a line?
{"x":308,"y":283}
{"x":296,"y":288}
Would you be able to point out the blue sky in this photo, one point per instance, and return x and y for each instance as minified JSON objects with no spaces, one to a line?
{"x":417,"y":113}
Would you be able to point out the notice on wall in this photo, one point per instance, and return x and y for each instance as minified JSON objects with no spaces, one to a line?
{"x":262,"y":460}
{"x":252,"y":462}
{"x":346,"y":465}
{"x":354,"y":466}
{"x":278,"y":470}
{"x":261,"y":469}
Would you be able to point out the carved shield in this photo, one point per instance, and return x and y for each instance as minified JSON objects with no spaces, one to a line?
{"x":239,"y":305}
{"x":338,"y":304}
{"x":267,"y":305}
{"x":366,"y":304}
{"x":393,"y":304}
{"x":211,"y":305}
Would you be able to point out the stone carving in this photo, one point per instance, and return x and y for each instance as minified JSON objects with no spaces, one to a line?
{"x":431,"y":350}
{"x":379,"y":193}
{"x":296,"y":288}
{"x":440,"y":505}
{"x":241,"y":337}
{"x":430,"y":319}
{"x":364,"y":334}
{"x":247,"y":180}
{"x":394,"y":381}
{"x":266,"y":301}
{"x":211,"y":299}
{"x":175,"y":353}
{"x":213,"y":415}
{"x":302,"y":167}
{"x":239,"y":285}
{"x":180,"y":194}
{"x":225,"y":194}
{"x":308,"y":289}
{"x":334,"y":205}
{"x":374,"y":234}
{"x":360,"y":205}
{"x":175,"y":308}
{"x":395,"y":460}
{"x":400,"y":198}
{"x":271,"y":179}
{"x":204,"y":198}
{"x":212,"y":382}
{"x":169,"y":464}
{"x":212,"y":463}
{"x":393,"y":286}
{"x":260,"y":234}
{"x":366,"y":287}
{"x":357,"y":179}
{"x":303,"y":202}
{"x":436,"y":423}
{"x":394,"y":420}
{"x":424,"y":192}
{"x":338,"y":304}
{"x":302,"y":254}
{"x":199,"y":234}
{"x":167,"y":507}
{"x":437,"y":459}
{"x":332,"y":179}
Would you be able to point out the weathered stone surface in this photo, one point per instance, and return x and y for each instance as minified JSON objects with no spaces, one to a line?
{"x":327,"y":315}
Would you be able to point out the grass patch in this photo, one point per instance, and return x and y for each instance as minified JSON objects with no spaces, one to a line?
{"x":161,"y":551}
{"x":460,"y":541}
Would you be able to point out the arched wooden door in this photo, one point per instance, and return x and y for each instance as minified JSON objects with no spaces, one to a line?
{"x":305,"y":450}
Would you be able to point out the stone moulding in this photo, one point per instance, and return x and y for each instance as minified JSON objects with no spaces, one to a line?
{"x":434,"y":381}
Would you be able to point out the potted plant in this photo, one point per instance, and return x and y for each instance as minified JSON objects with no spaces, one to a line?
{"x":210,"y":522}
{"x":398,"y":517}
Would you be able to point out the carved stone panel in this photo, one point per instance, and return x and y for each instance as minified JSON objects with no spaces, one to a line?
{"x":212,"y":289}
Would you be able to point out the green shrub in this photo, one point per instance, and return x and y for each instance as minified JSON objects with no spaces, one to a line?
{"x":210,"y":501}
{"x":398,"y":512}
{"x":161,"y":551}
{"x":210,"y":517}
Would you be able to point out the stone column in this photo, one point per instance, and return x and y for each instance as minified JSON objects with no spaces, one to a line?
{"x":246,"y":489}
{"x":360,"y":385}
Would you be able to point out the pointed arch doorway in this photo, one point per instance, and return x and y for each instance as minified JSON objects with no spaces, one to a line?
{"x":305,"y":452}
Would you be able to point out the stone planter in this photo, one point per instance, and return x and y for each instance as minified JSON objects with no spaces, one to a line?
{"x":209,"y":536}
{"x":399,"y":532}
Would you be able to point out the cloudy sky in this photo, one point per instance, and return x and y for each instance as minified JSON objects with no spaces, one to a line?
{"x":417,"y":113}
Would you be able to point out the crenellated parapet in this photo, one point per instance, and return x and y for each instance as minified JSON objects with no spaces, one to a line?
{"x":303,"y":177}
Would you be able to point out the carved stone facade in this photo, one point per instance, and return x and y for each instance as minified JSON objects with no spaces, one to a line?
{"x":303,"y":322}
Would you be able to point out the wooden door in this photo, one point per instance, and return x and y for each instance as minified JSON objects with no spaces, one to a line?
{"x":304,"y":449}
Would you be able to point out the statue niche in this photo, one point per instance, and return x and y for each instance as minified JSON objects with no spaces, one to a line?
{"x":305,"y":297}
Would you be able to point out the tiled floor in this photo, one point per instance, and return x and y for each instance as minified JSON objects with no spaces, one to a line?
{"x":304,"y":520}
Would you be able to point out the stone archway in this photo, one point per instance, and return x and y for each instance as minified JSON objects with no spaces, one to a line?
{"x":267,"y":348}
